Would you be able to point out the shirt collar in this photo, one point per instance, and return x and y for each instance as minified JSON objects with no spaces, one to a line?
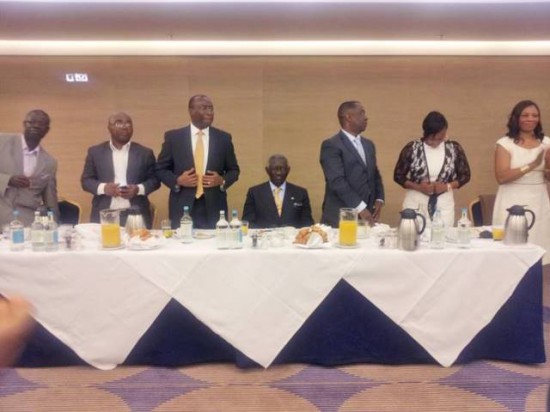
{"x":124,"y":148}
{"x":273,"y":187}
{"x":195,"y":130}
{"x":26,"y":150}
{"x":351,"y":137}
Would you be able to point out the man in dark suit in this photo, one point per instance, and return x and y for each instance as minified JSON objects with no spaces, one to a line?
{"x":277,"y":202}
{"x":352,"y":178}
{"x":198,"y":164}
{"x":120,"y":173}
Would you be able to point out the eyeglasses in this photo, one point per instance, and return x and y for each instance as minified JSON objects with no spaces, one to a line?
{"x":38,"y":123}
{"x":120,"y":124}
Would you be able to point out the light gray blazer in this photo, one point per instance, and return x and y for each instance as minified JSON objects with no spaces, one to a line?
{"x":43,"y":189}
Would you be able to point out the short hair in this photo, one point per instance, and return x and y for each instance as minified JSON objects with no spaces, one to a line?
{"x":433,"y":123}
{"x":513,"y":120}
{"x":39,"y":112}
{"x":277,"y":156}
{"x":196,"y":97}
{"x":344,"y":108}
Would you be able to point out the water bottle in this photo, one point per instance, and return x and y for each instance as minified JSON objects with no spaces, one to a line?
{"x":223,"y":232}
{"x":437,"y":240}
{"x":17,"y":233}
{"x":37,"y":234}
{"x":185,"y":231}
{"x":51,"y":234}
{"x":426,"y":234}
{"x":463,"y":230}
{"x":236,"y":232}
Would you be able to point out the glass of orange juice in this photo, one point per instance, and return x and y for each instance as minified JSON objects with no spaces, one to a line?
{"x":348,"y":227}
{"x":110,"y":228}
{"x":498,"y":232}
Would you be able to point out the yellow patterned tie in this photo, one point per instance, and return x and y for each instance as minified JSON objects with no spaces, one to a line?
{"x":278,"y":200}
{"x":199,"y":163}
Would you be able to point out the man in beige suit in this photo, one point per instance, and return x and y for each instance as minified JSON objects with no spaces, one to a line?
{"x":27,"y":171}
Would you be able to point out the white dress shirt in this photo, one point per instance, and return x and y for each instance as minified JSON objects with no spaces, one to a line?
{"x":30,"y":158}
{"x":205,"y":140}
{"x":120,"y":166}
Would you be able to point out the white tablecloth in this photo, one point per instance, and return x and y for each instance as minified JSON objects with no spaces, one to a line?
{"x":99,"y":303}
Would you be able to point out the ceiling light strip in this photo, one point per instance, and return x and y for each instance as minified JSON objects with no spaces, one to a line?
{"x":273,"y":48}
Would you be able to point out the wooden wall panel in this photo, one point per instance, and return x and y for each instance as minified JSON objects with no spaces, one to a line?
{"x":274,"y":104}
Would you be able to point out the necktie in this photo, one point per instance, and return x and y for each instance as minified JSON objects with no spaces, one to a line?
{"x":199,"y":163}
{"x":278,"y":200}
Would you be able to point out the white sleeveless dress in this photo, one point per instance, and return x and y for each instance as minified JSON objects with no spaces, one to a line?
{"x":529,"y":190}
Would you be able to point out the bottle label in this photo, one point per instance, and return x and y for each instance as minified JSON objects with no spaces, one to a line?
{"x":17,"y":236}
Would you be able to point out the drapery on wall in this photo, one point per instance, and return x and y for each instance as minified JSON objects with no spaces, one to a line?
{"x":275,"y":104}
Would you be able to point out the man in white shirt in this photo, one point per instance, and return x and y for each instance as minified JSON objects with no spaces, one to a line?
{"x":120,"y":173}
{"x":27,"y":171}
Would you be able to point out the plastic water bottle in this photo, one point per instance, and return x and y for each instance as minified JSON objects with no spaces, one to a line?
{"x":463,"y":230}
{"x":236,"y":233}
{"x":223,"y":232}
{"x":17,"y":233}
{"x":51,"y":234}
{"x":437,"y":240}
{"x":185,"y":231}
{"x":37,"y":234}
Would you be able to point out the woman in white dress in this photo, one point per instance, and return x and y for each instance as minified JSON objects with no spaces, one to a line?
{"x":431,"y":168}
{"x":522,"y":163}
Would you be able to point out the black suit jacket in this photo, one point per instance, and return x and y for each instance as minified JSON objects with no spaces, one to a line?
{"x":261,"y":212}
{"x":348,"y":181}
{"x":99,"y":168}
{"x":176,"y":156}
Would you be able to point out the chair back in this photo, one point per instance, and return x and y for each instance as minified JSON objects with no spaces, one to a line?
{"x":69,"y":212}
{"x":481,"y":210}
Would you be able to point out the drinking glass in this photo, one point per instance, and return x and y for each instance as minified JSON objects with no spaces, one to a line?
{"x":348,"y":227}
{"x":498,"y":232}
{"x":166,"y":227}
{"x":110,"y":228}
{"x":244,"y":227}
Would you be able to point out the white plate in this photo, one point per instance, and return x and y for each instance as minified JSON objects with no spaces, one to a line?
{"x":152,"y":243}
{"x":325,"y":245}
{"x":111,"y":248}
{"x":356,"y":246}
{"x":203,"y":235}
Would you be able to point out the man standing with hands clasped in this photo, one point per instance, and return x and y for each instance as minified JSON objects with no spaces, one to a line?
{"x":352,"y":178}
{"x":120,"y":173}
{"x":198,"y":164}
{"x":27,"y":171}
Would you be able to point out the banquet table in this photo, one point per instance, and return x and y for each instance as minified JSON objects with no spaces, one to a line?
{"x":189,"y":303}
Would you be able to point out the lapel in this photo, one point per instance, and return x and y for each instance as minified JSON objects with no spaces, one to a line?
{"x":132,"y":165}
{"x":288,"y":200}
{"x":351,"y":148}
{"x":184,"y":149}
{"x":17,"y":154}
{"x":270,"y":205}
{"x":107,"y":162}
{"x":211,"y":148}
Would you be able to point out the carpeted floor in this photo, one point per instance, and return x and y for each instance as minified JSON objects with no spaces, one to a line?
{"x":480,"y":387}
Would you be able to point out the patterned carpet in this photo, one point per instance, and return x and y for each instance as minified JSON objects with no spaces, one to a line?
{"x":480,"y":387}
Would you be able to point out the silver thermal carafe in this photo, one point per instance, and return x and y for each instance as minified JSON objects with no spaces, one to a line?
{"x":408,"y":230}
{"x":516,"y":227}
{"x":134,"y":221}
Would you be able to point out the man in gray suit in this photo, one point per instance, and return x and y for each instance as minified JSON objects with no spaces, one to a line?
{"x":352,"y":178}
{"x":120,"y":173}
{"x":198,"y":164}
{"x":27,"y":171}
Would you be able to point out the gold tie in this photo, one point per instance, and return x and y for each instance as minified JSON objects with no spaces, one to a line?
{"x":199,"y":163}
{"x":278,"y":201}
